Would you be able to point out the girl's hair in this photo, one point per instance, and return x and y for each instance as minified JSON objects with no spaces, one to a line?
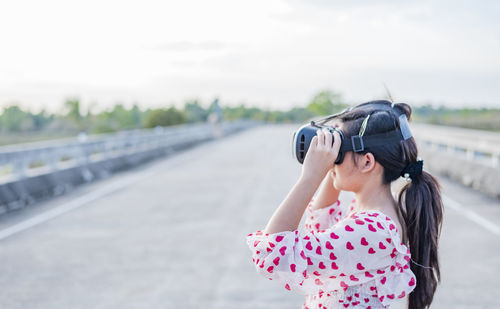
{"x":419,"y":202}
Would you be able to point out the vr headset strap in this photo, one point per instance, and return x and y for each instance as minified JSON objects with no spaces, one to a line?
{"x":360,"y":143}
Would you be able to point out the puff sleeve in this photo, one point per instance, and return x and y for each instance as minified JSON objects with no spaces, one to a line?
{"x":357,"y":249}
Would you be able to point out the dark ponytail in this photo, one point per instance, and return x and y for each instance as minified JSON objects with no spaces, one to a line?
{"x":419,"y":203}
{"x":422,"y":209}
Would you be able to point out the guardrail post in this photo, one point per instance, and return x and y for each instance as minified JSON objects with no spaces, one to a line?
{"x":495,"y":159}
{"x":52,"y":159}
{"x":19,"y":167}
{"x":450,"y":148}
{"x":470,"y":154}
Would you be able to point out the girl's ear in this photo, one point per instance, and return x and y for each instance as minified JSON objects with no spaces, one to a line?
{"x":367,"y":163}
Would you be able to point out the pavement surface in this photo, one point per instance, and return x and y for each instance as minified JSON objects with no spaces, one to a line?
{"x":171,"y":234}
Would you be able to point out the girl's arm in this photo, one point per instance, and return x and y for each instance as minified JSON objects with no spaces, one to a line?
{"x":288,"y":215}
{"x":327,"y":194}
{"x":318,"y":161}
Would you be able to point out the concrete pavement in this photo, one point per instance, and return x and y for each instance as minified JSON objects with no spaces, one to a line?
{"x":172,"y":235}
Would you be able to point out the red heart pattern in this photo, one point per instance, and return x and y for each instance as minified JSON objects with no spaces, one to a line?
{"x":362,"y":233}
{"x":283,"y":250}
{"x":359,"y":222}
{"x":318,"y":250}
{"x":412,"y":282}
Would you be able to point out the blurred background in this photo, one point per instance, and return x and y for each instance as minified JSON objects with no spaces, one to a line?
{"x":141,"y":141}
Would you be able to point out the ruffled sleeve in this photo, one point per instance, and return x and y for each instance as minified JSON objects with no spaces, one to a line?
{"x":353,"y":251}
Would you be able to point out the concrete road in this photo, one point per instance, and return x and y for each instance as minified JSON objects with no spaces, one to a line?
{"x":172,"y":235}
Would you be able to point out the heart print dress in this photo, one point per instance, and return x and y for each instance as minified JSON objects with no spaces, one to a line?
{"x":342,"y":258}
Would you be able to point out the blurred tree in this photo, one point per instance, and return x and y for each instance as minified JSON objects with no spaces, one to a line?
{"x":195,"y":112}
{"x":41,"y":120}
{"x":72,"y":107}
{"x":136,"y":115}
{"x":164,"y":117}
{"x":104,"y":123}
{"x":123,"y":118}
{"x":299,"y":114}
{"x":13,"y":119}
{"x":325,"y":103}
{"x":72,"y":113}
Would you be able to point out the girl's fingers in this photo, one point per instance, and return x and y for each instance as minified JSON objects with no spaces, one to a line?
{"x":328,"y":138}
{"x":318,"y":137}
{"x":321,"y":137}
{"x":336,"y":142}
{"x":314,"y":142}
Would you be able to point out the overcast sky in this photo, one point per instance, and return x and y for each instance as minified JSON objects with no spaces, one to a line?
{"x":267,"y":53}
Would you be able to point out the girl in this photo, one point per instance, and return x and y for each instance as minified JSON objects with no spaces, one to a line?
{"x":375,"y":250}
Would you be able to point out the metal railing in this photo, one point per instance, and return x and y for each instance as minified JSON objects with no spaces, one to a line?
{"x":474,"y":145}
{"x":25,"y":160}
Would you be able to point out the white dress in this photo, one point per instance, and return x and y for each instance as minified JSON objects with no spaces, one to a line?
{"x":344,"y":259}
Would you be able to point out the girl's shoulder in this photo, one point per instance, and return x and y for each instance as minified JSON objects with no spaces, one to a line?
{"x":379,"y":221}
{"x":375,"y":220}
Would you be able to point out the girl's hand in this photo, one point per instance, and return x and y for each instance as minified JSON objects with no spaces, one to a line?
{"x":321,"y":155}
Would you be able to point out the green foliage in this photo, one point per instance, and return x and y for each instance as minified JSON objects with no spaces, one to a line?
{"x":195,"y":112}
{"x":242,"y":112}
{"x":14,"y":119}
{"x":482,"y":118}
{"x":326,"y":103}
{"x":26,"y":126}
{"x":164,"y":117}
{"x":118,"y":118}
{"x":41,"y":120}
{"x":299,"y":114}
{"x":72,"y":107}
{"x":125,"y":118}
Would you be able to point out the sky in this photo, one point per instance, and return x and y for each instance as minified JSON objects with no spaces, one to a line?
{"x":272,"y":54}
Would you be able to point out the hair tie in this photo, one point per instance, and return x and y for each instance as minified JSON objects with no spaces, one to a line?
{"x":412,"y":170}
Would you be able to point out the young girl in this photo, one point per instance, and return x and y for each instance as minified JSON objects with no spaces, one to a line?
{"x":375,"y":250}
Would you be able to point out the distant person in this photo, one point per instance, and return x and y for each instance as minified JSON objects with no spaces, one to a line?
{"x":372,"y":250}
{"x":215,"y":119}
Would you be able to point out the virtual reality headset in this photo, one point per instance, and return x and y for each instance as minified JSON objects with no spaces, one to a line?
{"x":357,"y":143}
